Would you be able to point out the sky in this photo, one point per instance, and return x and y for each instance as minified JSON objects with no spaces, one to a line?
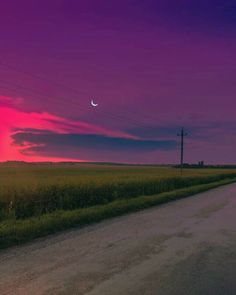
{"x":152,"y":66}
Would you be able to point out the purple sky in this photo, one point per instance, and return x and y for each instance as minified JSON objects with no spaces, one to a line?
{"x":152,"y":66}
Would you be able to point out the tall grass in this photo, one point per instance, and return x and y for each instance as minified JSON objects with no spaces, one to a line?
{"x":14,"y":232}
{"x":34,"y":190}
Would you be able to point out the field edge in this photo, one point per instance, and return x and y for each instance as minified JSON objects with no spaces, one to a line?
{"x":18,"y":232}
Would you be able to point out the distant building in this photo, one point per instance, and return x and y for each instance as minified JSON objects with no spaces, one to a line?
{"x":201,"y":163}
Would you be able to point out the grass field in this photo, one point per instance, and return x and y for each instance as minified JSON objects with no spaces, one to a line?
{"x":36,"y":193}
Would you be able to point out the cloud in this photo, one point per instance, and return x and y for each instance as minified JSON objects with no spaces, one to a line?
{"x":6,"y":101}
{"x":154,"y":131}
{"x":42,"y":136}
{"x":13,"y":121}
{"x":87,"y":146}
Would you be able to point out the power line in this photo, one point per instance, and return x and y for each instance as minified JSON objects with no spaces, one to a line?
{"x":182,"y":134}
{"x":68,"y":88}
{"x":76,"y":104}
{"x":40,"y":78}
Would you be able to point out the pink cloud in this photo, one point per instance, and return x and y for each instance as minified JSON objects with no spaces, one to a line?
{"x":12,"y":119}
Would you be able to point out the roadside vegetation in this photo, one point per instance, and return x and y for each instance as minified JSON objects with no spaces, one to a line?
{"x":36,"y":200}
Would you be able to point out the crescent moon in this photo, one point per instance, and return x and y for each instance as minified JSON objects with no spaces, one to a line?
{"x":94,"y":104}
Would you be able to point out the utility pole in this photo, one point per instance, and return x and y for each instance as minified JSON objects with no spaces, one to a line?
{"x":183,"y":133}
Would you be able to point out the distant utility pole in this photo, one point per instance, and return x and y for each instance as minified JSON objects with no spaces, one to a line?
{"x":183,"y":133}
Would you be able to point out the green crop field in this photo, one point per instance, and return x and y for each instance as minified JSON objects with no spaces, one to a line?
{"x":35,"y":191}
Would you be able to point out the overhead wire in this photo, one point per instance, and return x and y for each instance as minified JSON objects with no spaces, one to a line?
{"x":8,"y":86}
{"x":75,"y":91}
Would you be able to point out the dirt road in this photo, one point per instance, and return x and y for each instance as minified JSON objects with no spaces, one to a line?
{"x":185,"y":247}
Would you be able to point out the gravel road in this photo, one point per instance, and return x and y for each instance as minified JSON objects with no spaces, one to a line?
{"x":184,"y":247}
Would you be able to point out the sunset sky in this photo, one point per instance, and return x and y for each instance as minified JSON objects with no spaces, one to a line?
{"x":152,"y":66}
